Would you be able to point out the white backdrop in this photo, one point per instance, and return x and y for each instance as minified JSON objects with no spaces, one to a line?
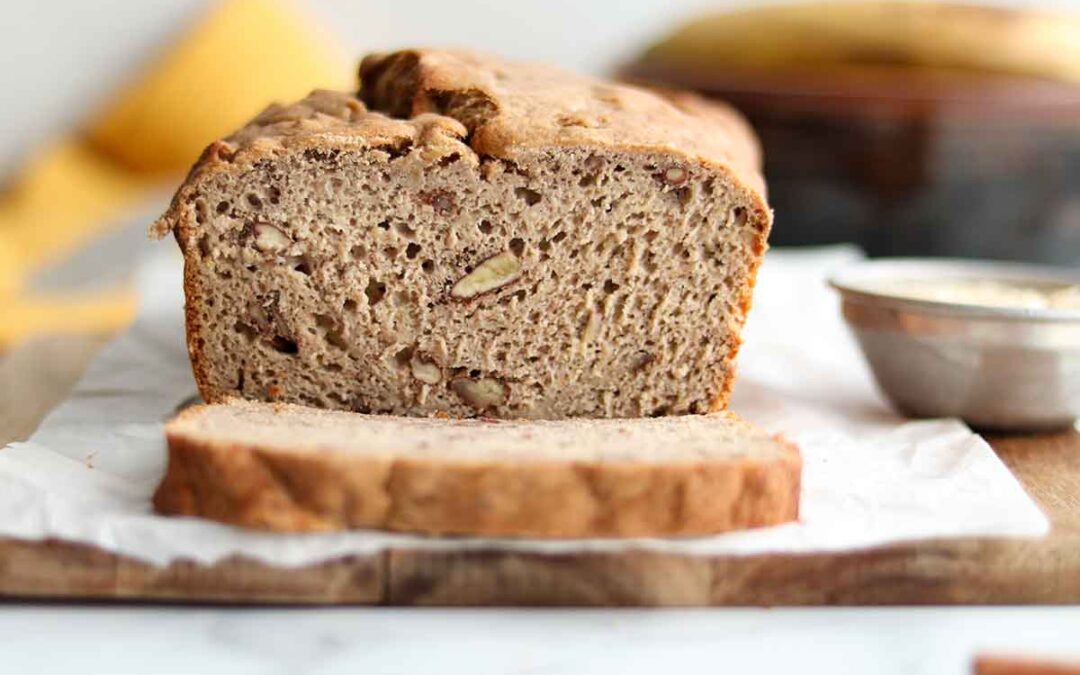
{"x":57,"y":57}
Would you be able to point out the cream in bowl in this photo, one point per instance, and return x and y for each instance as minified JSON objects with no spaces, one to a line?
{"x":996,"y":344}
{"x":987,"y":293}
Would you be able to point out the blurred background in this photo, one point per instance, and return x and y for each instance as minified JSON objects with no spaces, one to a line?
{"x":58,"y":57}
{"x":922,"y":129}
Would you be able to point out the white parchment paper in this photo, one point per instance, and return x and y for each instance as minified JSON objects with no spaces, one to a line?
{"x":870,"y":477}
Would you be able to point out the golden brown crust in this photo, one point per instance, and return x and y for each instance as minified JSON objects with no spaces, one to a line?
{"x":514,"y":108}
{"x":501,"y":108}
{"x":265,"y":488}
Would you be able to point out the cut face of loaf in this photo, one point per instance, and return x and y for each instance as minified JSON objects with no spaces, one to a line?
{"x":476,"y":238}
{"x":284,"y":467}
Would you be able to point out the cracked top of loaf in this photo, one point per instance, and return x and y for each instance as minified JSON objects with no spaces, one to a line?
{"x":444,"y":102}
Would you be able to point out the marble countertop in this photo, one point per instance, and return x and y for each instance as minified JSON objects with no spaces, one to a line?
{"x":145,"y":640}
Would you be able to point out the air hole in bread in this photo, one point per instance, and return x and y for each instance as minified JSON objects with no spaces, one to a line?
{"x":302,"y":265}
{"x":247,"y":330}
{"x":399,"y":150}
{"x":284,"y":345}
{"x":403,"y":356}
{"x":375,"y":292}
{"x":530,"y":197}
{"x":738,"y":216}
{"x":331,"y":331}
{"x":648,"y":263}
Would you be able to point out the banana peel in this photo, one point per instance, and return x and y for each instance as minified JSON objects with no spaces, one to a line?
{"x":853,"y":35}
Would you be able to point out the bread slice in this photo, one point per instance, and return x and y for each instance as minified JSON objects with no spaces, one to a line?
{"x":475,"y":237}
{"x":291,"y":468}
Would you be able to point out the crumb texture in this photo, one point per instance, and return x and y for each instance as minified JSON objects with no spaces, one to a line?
{"x":476,"y":238}
{"x":290,"y":468}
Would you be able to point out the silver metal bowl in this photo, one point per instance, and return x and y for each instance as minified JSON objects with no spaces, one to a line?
{"x":998,"y":368}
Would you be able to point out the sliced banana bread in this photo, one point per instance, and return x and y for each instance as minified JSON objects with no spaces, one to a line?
{"x":292,"y":468}
{"x":474,"y":237}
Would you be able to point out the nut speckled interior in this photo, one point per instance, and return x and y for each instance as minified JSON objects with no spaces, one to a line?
{"x":476,"y":238}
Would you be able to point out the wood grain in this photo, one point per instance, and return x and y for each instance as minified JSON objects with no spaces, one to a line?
{"x":54,"y":569}
{"x":968,"y":571}
{"x":950,"y":571}
{"x":1048,"y":465}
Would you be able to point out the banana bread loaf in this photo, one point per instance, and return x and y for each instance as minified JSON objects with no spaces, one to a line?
{"x":475,"y":237}
{"x":292,"y":468}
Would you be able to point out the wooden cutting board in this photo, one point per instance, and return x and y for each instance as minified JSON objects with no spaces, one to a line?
{"x":946,"y":571}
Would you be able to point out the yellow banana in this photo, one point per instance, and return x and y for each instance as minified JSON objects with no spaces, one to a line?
{"x":926,"y":35}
